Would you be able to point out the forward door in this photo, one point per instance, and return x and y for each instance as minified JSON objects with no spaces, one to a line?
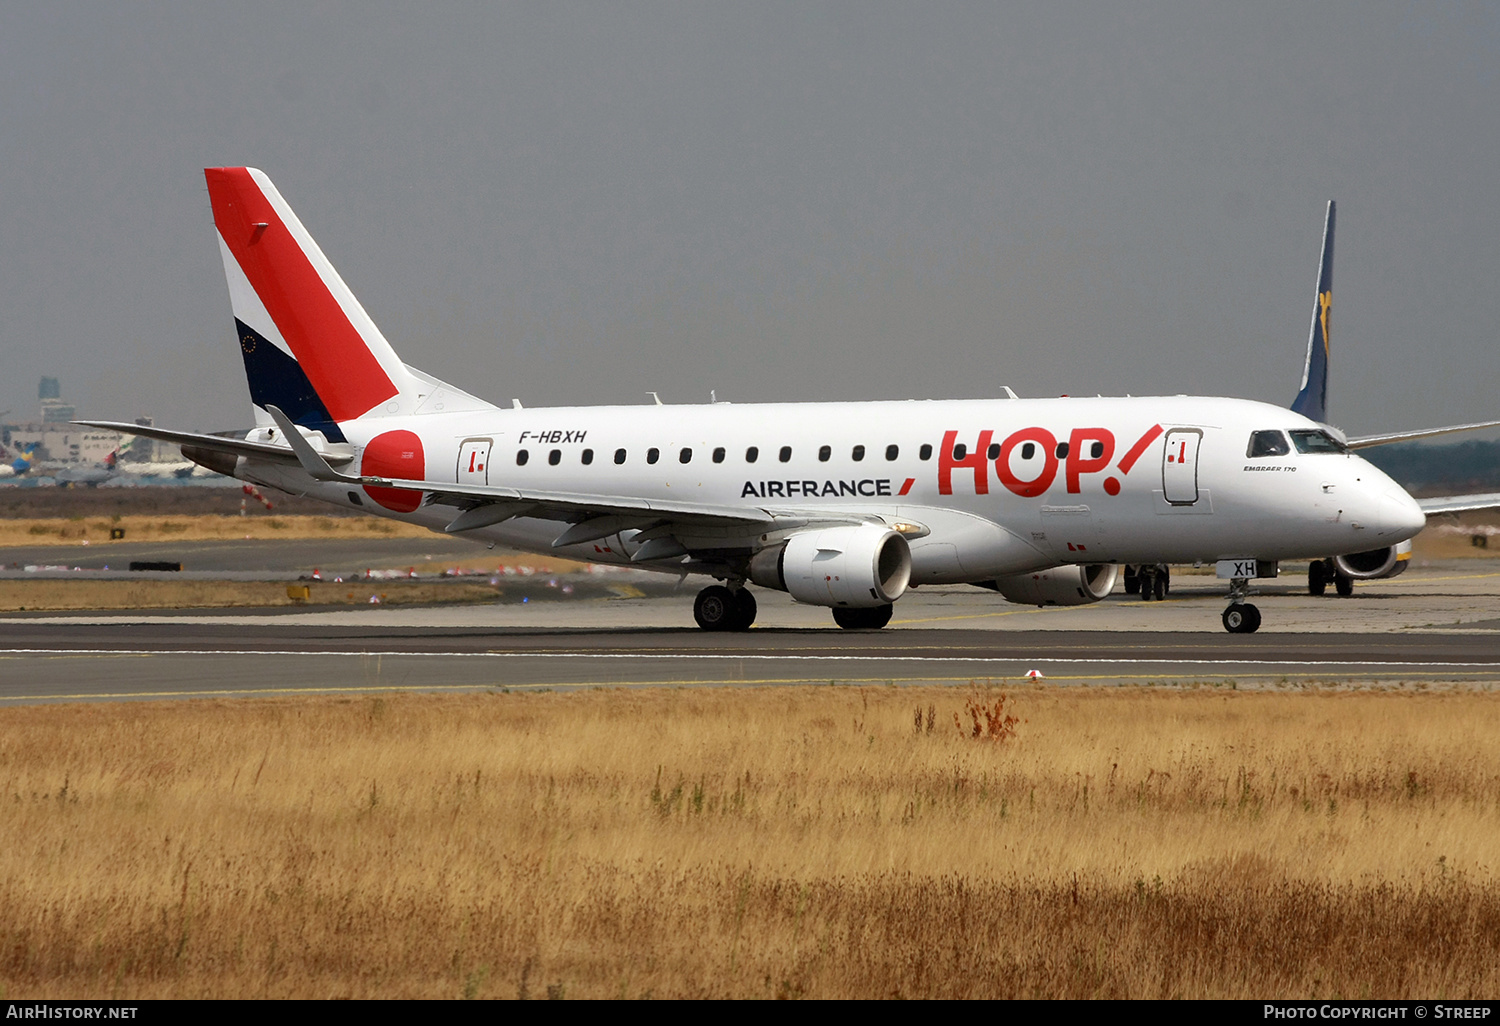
{"x":1179,"y":468}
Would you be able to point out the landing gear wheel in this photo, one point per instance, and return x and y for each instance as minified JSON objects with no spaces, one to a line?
{"x":1132,"y":580}
{"x":872,"y":619}
{"x":716,"y":609}
{"x":1344,"y":585}
{"x":1162,"y":584}
{"x":1241,"y":619}
{"x":744,"y":608}
{"x":1317,"y":577}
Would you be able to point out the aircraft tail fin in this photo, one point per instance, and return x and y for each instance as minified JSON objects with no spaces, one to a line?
{"x":1312,"y":400}
{"x":308,"y":344}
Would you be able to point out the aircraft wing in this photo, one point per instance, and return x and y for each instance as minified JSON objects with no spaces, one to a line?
{"x":1411,"y":436}
{"x":1459,"y":503}
{"x":219,"y":443}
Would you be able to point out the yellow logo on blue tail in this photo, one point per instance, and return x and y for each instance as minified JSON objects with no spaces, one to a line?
{"x":1325,"y":305}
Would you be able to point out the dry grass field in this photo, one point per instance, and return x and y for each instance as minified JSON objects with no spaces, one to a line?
{"x":202,"y":527}
{"x":59,"y":595}
{"x":807,"y":842}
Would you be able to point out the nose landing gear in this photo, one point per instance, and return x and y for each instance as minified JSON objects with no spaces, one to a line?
{"x":1241,"y":617}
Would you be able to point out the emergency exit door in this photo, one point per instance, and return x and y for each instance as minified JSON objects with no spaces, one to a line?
{"x":1179,"y":468}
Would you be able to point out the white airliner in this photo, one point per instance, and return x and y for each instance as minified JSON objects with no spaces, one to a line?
{"x":844,"y":505}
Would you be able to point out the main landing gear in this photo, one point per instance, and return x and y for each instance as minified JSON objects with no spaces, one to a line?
{"x":872,"y":618}
{"x":1149,"y":581}
{"x":1241,"y":617}
{"x":718,"y":608}
{"x":1321,"y":571}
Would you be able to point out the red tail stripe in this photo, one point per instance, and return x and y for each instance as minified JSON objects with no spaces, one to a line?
{"x":1138,"y":448}
{"x":346,"y":375}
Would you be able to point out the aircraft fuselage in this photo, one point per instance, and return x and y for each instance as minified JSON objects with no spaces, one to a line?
{"x":994,"y":486}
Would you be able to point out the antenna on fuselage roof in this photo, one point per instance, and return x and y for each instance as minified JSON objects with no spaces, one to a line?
{"x":653,"y":395}
{"x":515,"y":404}
{"x":1008,"y":393}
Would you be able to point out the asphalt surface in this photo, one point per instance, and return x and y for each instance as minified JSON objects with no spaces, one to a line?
{"x":1434,"y":626}
{"x":42,"y":661}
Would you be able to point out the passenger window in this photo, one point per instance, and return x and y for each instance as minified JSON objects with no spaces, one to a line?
{"x":752,"y":454}
{"x":719,"y":454}
{"x":824,"y":451}
{"x":960,"y":451}
{"x":1317,"y":441}
{"x":892,"y":451}
{"x":858,"y":453}
{"x":1028,"y":450}
{"x":521,"y":457}
{"x":685,"y":456}
{"x":652,"y":455}
{"x":786,"y":454}
{"x":588,"y":457}
{"x":925,"y":453}
{"x":619,"y":455}
{"x":1267,"y":443}
{"x":1062,"y":450}
{"x":994,"y":451}
{"x":554,"y":457}
{"x":1096,"y":450}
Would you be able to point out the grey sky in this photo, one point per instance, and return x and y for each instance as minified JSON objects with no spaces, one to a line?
{"x":577,"y":203}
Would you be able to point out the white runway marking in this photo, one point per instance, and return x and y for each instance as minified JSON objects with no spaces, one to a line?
{"x":766,"y":657}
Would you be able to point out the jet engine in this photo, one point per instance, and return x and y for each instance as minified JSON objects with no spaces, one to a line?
{"x":1375,"y":564}
{"x":854,"y":567}
{"x":1060,"y":586}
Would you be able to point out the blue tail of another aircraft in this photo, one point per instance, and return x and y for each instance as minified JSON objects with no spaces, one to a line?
{"x":1312,"y":401}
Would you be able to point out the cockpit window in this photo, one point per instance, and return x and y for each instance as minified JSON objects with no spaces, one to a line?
{"x":1317,"y":441}
{"x":1267,"y":443}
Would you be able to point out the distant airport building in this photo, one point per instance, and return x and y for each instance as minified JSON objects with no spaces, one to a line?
{"x":57,"y":444}
{"x":54,"y":437}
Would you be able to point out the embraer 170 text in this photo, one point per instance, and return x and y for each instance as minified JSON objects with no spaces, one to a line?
{"x":844,"y":505}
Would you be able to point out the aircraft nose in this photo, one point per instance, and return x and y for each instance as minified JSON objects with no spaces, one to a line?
{"x":1400,"y":514}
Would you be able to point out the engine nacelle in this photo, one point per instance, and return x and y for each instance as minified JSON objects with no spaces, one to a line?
{"x":1375,"y":564}
{"x":1060,"y":586}
{"x":853,"y":567}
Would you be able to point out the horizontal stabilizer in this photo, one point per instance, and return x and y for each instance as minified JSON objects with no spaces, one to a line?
{"x":219,"y":443}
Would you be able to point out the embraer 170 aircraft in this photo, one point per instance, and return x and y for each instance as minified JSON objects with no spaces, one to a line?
{"x":844,"y":505}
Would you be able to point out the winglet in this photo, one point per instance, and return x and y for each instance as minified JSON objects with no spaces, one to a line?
{"x":311,"y":462}
{"x":1312,"y":400}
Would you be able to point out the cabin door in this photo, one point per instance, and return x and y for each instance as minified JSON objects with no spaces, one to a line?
{"x":1179,"y":468}
{"x":474,"y":461}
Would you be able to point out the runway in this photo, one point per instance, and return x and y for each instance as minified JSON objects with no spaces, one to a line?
{"x":121,"y":658}
{"x":1437,"y":625}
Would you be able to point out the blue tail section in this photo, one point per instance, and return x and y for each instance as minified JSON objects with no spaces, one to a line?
{"x":1312,"y":401}
{"x":277,"y":380}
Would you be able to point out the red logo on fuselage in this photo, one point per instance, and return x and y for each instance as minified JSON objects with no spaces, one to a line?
{"x":1087,"y":451}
